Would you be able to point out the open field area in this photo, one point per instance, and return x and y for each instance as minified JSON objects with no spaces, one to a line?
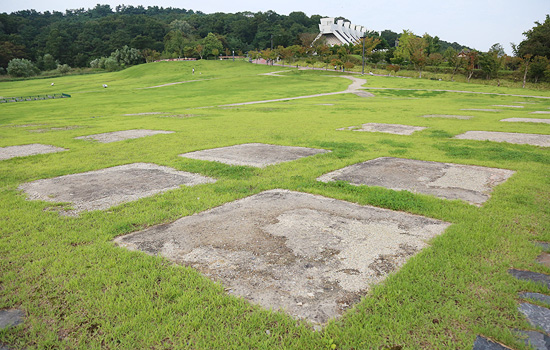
{"x":113,"y":236}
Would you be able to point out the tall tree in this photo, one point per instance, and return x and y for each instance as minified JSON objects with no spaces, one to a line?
{"x":538,"y":40}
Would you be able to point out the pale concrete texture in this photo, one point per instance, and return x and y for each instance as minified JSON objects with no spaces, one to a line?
{"x":448,"y":116}
{"x":510,"y":137}
{"x":526,"y":120}
{"x":253,"y":154}
{"x":122,"y":135}
{"x":444,"y":180}
{"x":386,"y":128}
{"x":101,"y":189}
{"x":309,"y":255}
{"x":481,"y":109}
{"x":27,"y":150}
{"x":11,"y":318}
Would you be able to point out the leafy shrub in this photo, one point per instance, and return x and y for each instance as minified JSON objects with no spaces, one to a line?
{"x":20,"y":67}
{"x":63,"y":68}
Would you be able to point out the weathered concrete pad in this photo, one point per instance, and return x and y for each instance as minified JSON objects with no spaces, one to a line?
{"x":11,"y":318}
{"x":480,"y":109}
{"x":544,"y":259}
{"x":27,"y":150}
{"x":253,"y":154}
{"x":509,"y":106}
{"x":544,"y":245}
{"x":101,"y":189}
{"x":387,"y":128}
{"x":122,"y":135}
{"x":309,"y":255}
{"x":531,"y":276}
{"x":444,"y":180}
{"x":536,"y":340}
{"x":538,"y":316}
{"x":536,"y":296}
{"x":62,"y":128}
{"x":526,"y":120}
{"x":510,"y":137}
{"x":449,"y":116}
{"x":363,"y":94}
{"x":482,"y":343}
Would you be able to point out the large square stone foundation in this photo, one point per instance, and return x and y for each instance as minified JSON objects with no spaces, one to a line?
{"x":308,"y":255}
{"x":444,"y":180}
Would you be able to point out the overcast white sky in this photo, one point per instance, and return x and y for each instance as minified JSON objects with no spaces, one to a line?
{"x":474,"y":23}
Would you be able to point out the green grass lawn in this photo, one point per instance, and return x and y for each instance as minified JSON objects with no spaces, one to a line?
{"x":80,"y":291}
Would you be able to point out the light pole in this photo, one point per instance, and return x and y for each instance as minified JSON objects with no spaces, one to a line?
{"x":363,"y":68}
{"x":233,"y":55}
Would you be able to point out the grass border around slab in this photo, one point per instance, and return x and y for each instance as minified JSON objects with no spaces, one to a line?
{"x":79,"y":291}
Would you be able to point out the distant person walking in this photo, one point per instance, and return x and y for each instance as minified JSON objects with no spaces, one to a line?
{"x":193,"y":70}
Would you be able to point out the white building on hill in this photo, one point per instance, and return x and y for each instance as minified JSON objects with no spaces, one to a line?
{"x":339,"y":33}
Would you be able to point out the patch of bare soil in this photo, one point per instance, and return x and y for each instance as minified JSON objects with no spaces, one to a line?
{"x":101,"y":189}
{"x":122,"y":135}
{"x":309,"y":255}
{"x":253,"y":154}
{"x":510,"y":137}
{"x":443,"y":180}
{"x":27,"y":150}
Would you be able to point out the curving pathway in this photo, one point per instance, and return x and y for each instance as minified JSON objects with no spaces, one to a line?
{"x":355,"y":87}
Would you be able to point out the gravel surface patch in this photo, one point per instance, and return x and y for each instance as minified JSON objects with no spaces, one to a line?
{"x":122,"y":135}
{"x":101,"y":189}
{"x":443,"y":180}
{"x":308,"y":255}
{"x":449,"y":116}
{"x":526,"y":120}
{"x":27,"y":150}
{"x":253,"y":154}
{"x":510,"y":137}
{"x":386,"y":128}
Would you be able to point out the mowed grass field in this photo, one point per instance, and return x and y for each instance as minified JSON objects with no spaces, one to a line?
{"x":79,"y":291}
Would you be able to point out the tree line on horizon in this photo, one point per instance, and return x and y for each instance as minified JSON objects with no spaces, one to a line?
{"x":111,"y":39}
{"x":77,"y":37}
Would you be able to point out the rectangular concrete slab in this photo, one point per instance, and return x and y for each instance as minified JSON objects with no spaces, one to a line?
{"x":444,"y":180}
{"x":309,"y":255}
{"x":253,"y":154}
{"x":447,"y":116}
{"x":27,"y":150}
{"x":101,"y":189}
{"x":510,"y":137}
{"x":526,"y":120}
{"x":386,"y":128}
{"x":122,"y":135}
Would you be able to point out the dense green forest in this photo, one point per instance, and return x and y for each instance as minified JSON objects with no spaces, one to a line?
{"x":79,"y":36}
